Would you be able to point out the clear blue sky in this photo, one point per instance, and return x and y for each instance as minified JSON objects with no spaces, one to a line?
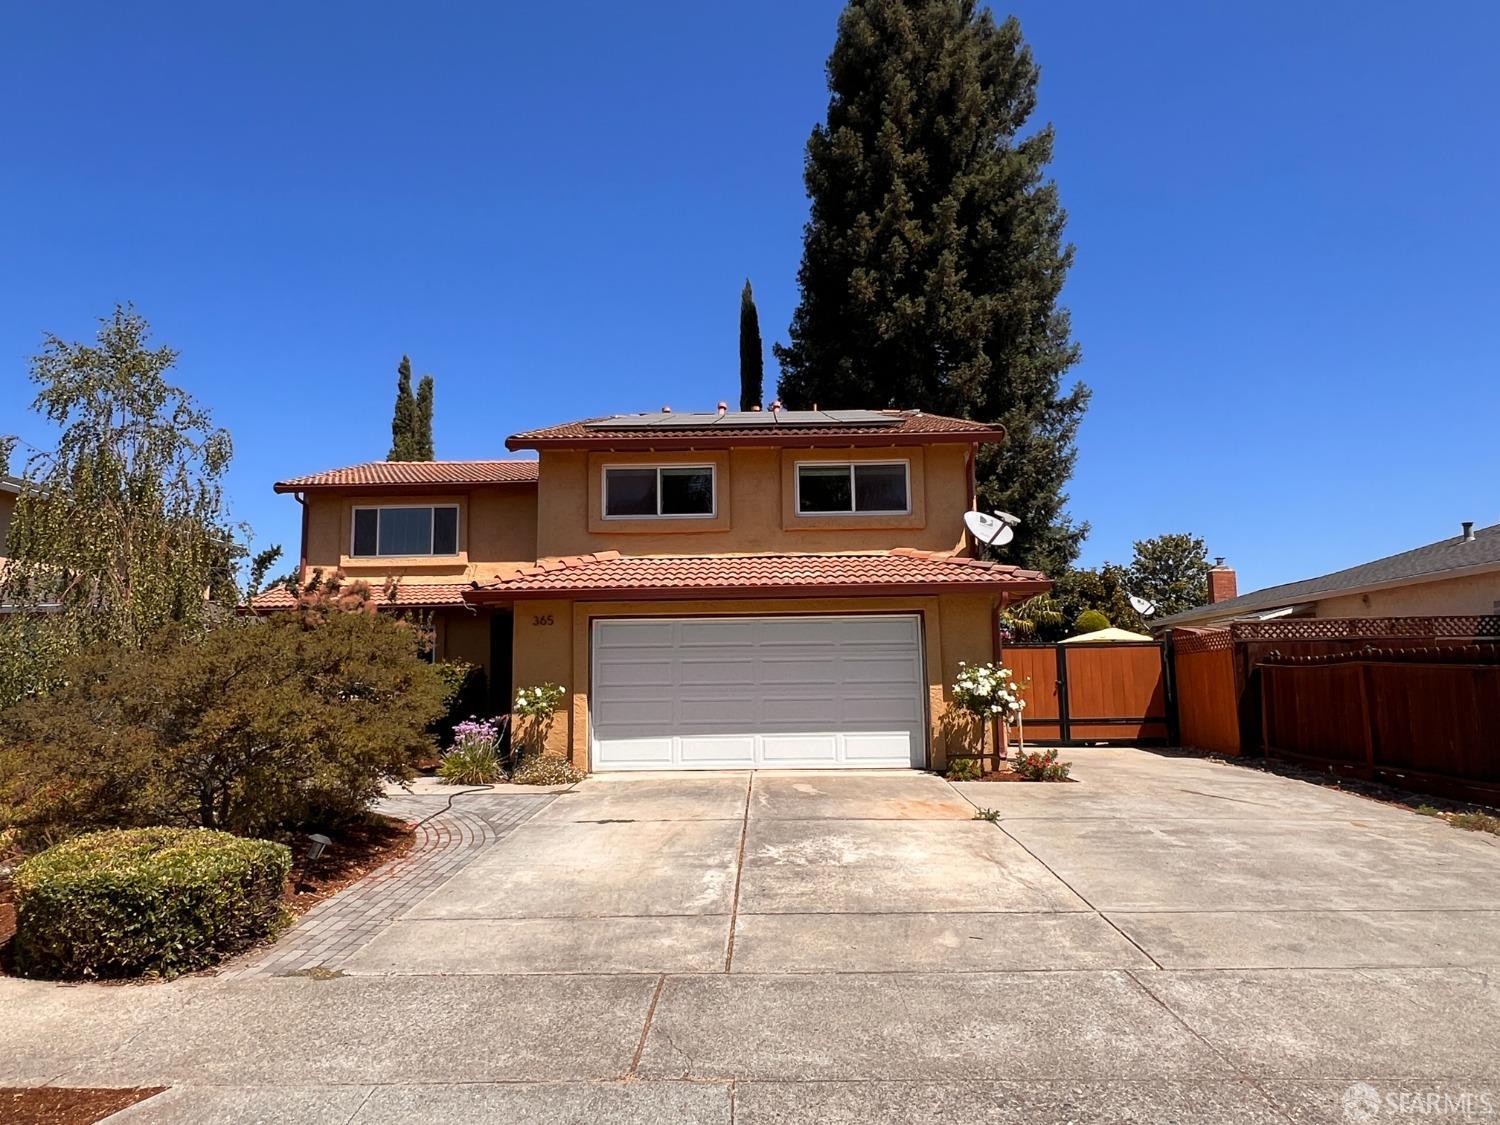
{"x":1287,"y":220}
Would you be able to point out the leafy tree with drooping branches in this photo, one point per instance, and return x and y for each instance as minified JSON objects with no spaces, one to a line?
{"x":122,"y":530}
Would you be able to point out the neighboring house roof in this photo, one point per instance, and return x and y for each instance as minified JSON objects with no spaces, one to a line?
{"x":425,"y":596}
{"x":10,"y":484}
{"x":419,"y":474}
{"x":1447,"y":558}
{"x":805,"y":428}
{"x":903,"y":571}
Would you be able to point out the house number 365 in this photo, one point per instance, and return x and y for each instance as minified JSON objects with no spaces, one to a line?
{"x":541,"y":619}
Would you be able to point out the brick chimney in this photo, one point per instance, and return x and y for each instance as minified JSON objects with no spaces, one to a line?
{"x":1221,"y":582}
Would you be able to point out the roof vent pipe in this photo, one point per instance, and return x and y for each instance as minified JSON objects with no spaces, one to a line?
{"x":776,"y":405}
{"x":666,"y":410}
{"x":1468,"y":526}
{"x":755,"y":409}
{"x":723,"y":409}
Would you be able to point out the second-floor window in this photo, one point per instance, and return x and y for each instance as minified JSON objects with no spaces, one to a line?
{"x":658,"y":491}
{"x":405,"y":530}
{"x":831,"y":488}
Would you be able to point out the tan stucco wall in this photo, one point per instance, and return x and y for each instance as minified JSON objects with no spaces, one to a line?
{"x":756,"y":512}
{"x":552,"y":644}
{"x":496,"y":535}
{"x":463,"y":635}
{"x":7,"y":506}
{"x":1473,"y":593}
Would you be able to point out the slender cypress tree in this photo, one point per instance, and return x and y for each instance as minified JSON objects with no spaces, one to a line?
{"x":404,"y":419}
{"x":933,"y":256}
{"x":752,"y":354}
{"x":422,"y":443}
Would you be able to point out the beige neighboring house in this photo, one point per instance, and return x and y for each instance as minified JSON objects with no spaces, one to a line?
{"x":1459,"y":576}
{"x":781,"y":589}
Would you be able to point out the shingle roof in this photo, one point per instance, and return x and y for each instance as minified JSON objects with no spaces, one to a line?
{"x":910,"y":427}
{"x":1431,"y":561}
{"x":413,"y":596}
{"x":424,"y":474}
{"x":898,"y":571}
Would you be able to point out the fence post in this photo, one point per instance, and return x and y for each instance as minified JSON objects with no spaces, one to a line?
{"x":1364,"y":708}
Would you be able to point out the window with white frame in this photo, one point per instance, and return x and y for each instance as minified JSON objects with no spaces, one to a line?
{"x":658,"y":491}
{"x":408,"y":529}
{"x":836,"y":488}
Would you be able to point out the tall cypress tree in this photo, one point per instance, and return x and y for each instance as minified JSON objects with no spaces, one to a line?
{"x":404,"y":419}
{"x":934,"y":256}
{"x":422,"y":442}
{"x":752,"y":354}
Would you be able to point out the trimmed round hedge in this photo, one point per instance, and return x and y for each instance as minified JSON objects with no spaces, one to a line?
{"x":138,"y":901}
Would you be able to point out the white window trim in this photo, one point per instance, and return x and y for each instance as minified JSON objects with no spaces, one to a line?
{"x":851,"y":510}
{"x":713,"y":480}
{"x":431,"y":530}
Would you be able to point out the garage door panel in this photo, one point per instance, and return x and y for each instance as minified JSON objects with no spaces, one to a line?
{"x":791,"y":692}
{"x":635,"y":673}
{"x":722,"y":750}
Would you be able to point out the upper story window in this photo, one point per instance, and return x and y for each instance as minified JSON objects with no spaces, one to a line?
{"x":832,"y":488}
{"x":405,"y":530}
{"x":658,"y":491}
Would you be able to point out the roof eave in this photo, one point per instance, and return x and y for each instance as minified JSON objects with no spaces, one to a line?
{"x":1217,"y":610}
{"x":427,"y":487}
{"x":1022,"y":587}
{"x":790,"y":440}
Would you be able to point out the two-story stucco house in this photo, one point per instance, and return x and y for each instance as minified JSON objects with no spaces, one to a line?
{"x":769,"y":589}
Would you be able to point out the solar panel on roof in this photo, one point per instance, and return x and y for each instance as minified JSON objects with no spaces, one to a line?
{"x":743,"y":419}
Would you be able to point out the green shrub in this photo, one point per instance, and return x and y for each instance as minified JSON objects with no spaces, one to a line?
{"x":257,"y":727}
{"x":546,"y":769}
{"x":474,"y":758}
{"x":1041,"y":765}
{"x":1090,"y":621}
{"x":148,"y":900}
{"x":963,"y":769}
{"x":465,"y":696}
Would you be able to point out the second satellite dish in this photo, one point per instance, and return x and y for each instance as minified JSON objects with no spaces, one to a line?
{"x":992,"y":530}
{"x":1142,"y":606}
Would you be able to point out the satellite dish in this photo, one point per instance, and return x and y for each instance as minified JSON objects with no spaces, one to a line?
{"x":992,"y":530}
{"x":1142,"y":606}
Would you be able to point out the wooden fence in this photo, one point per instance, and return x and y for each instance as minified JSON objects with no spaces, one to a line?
{"x":1425,"y":719}
{"x":1424,"y":706}
{"x":1086,"y":693}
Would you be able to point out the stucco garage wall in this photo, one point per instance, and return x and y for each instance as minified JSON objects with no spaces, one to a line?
{"x":552,"y":643}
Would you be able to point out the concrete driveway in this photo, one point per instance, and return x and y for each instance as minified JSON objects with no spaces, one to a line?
{"x":1168,"y":940}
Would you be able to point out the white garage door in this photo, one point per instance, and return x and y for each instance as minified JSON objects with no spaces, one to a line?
{"x":763,"y":692}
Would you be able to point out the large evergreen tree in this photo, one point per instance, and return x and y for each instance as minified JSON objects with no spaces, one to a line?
{"x":411,"y":422}
{"x":752,"y":354}
{"x":404,"y":419}
{"x":934,"y":256}
{"x":423,"y":441}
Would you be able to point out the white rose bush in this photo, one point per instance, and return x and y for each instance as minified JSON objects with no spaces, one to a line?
{"x":988,"y":692}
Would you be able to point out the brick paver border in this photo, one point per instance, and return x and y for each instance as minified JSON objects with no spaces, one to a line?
{"x":448,"y":838}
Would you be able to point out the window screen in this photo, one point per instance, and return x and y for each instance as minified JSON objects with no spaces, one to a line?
{"x":405,"y":531}
{"x":666,"y":490}
{"x":832,"y":489}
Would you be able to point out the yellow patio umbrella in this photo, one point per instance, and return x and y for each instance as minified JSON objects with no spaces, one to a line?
{"x":1105,"y":635}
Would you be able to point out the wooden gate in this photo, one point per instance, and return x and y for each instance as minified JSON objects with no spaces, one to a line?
{"x":1092,"y":692}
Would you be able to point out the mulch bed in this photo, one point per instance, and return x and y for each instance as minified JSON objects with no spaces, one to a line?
{"x":65,"y":1105}
{"x":355,"y":852}
{"x":1011,"y":775}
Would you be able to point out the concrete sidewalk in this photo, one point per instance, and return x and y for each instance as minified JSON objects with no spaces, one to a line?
{"x":1169,"y":940}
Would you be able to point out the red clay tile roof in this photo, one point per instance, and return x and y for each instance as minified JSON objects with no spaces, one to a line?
{"x":424,"y":474}
{"x":912,"y":427}
{"x":609,"y":574}
{"x":410,"y":596}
